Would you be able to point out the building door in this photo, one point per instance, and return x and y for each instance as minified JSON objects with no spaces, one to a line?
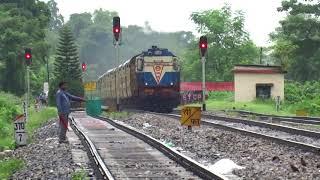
{"x":263,"y":91}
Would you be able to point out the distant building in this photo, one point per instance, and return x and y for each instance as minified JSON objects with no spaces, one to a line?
{"x":258,"y":81}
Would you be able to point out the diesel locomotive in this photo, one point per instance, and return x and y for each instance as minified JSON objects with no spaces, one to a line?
{"x":148,"y":81}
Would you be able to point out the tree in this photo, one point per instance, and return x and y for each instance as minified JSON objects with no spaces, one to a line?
{"x":66,"y":66}
{"x":228,"y":42}
{"x":22,"y":24}
{"x":79,"y":22}
{"x":297,"y":40}
{"x":56,"y":20}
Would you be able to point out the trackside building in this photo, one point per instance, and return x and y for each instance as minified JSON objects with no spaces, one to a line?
{"x":258,"y":82}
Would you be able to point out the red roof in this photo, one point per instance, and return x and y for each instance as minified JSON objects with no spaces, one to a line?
{"x":210,"y":86}
{"x":258,"y":69}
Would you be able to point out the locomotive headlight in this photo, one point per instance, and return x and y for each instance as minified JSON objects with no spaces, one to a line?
{"x":171,"y":83}
{"x":146,"y":84}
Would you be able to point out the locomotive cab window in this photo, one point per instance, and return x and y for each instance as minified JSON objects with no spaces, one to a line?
{"x":139,"y":64}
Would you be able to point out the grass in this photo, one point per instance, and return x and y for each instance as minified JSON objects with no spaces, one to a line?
{"x":9,"y":166}
{"x":225,"y":101}
{"x":36,"y":119}
{"x":39,"y":118}
{"x":265,"y":107}
{"x":79,"y":175}
{"x":255,"y":106}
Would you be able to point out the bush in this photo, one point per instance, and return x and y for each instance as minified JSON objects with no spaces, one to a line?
{"x":303,"y":96}
{"x":8,"y":110}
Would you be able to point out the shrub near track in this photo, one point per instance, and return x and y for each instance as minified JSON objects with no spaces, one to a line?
{"x":10,"y":106}
{"x":8,"y":110}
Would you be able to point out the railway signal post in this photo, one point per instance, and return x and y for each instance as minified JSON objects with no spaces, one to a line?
{"x":203,"y":45}
{"x":116,"y":35}
{"x":28,"y":58}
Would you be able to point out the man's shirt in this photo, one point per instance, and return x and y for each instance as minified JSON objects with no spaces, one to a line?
{"x":63,"y":101}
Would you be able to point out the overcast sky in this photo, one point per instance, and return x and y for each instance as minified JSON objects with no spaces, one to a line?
{"x":173,"y":15}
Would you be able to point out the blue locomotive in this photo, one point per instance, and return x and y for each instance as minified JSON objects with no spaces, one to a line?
{"x":149,"y":81}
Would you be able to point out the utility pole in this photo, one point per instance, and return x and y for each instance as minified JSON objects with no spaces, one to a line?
{"x":203,"y":45}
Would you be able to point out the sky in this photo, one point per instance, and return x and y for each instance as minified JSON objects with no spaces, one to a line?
{"x":173,"y":15}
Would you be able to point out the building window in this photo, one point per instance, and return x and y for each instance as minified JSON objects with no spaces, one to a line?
{"x":263,"y":91}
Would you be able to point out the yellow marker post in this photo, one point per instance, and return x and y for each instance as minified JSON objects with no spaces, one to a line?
{"x":190,"y":116}
{"x":302,"y":113}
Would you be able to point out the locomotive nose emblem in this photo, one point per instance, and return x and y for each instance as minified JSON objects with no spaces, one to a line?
{"x":158,"y":72}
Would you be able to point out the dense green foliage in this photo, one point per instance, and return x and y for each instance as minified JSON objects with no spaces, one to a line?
{"x":9,"y":166}
{"x":297,"y":40}
{"x":228,"y":42}
{"x":303,"y":96}
{"x":8,"y":111}
{"x":22,"y":24}
{"x":10,"y":107}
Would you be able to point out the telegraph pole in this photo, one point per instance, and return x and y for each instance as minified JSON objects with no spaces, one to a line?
{"x":116,"y":34}
{"x":203,"y":45}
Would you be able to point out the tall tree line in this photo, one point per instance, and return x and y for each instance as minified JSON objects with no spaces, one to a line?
{"x":228,"y":44}
{"x":297,"y":40}
{"x":22,"y":24}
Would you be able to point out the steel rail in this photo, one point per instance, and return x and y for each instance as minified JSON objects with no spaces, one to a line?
{"x":300,"y":145}
{"x":105,"y":172}
{"x":291,"y":130}
{"x":181,"y":159}
{"x":311,"y":119}
{"x":287,"y":129}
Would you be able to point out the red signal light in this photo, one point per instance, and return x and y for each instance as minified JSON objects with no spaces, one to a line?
{"x":84,"y":67}
{"x":203,"y":45}
{"x":28,"y":56}
{"x":116,"y":30}
{"x":116,"y":27}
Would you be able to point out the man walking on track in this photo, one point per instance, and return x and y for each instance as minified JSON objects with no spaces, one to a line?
{"x":63,"y":105}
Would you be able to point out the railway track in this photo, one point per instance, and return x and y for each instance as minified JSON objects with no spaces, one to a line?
{"x":121,"y":152}
{"x":232,"y":124}
{"x":291,"y":119}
